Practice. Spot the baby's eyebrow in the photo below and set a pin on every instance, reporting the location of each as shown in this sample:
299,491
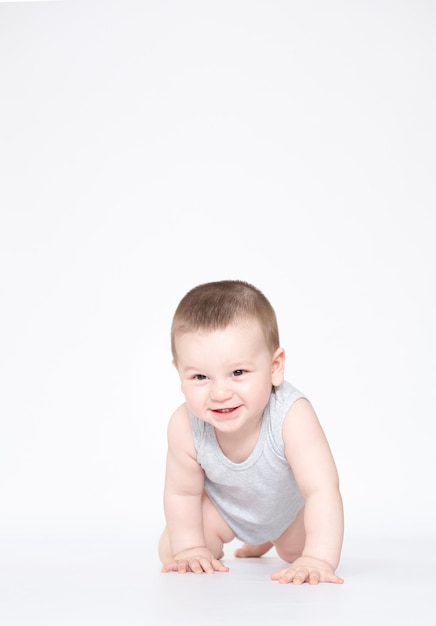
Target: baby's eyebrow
189,368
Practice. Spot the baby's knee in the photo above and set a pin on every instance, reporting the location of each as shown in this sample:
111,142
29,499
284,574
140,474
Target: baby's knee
290,544
287,554
216,531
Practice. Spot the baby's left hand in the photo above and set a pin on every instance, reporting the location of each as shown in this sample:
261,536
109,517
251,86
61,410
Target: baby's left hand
307,569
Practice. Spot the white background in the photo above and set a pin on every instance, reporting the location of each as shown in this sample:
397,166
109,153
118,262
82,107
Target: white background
150,146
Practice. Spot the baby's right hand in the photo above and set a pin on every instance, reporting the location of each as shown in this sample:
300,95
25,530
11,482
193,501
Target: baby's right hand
196,560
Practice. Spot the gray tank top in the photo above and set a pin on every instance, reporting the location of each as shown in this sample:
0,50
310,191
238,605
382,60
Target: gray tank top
259,497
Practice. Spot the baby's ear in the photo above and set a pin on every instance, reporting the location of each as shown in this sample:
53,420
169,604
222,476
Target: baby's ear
278,367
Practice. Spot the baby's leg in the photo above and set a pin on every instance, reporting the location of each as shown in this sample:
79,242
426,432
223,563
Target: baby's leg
248,550
216,533
216,530
290,544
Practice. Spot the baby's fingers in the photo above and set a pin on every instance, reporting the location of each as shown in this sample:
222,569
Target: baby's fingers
200,565
332,578
170,567
218,566
197,565
291,574
181,566
303,574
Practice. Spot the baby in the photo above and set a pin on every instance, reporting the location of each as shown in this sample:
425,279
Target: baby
247,457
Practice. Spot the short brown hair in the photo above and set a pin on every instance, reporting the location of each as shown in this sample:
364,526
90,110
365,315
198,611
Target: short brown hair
216,305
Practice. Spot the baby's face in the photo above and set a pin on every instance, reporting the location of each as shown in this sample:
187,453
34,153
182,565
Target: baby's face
226,375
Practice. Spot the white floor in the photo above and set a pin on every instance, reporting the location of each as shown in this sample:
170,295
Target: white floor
116,581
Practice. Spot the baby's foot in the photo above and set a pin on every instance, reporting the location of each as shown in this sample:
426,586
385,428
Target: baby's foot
248,550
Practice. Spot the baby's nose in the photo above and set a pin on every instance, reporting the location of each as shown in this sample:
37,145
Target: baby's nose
220,390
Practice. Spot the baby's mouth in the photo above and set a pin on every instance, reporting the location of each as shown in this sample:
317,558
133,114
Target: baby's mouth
225,411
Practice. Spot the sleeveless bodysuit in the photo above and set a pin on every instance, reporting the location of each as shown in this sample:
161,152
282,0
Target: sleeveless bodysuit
258,498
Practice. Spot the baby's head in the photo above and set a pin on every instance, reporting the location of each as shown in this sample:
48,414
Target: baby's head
216,305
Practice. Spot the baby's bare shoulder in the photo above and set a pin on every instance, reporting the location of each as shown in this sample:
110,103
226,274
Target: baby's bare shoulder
180,432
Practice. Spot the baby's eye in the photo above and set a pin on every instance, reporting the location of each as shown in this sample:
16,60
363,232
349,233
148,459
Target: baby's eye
200,377
238,372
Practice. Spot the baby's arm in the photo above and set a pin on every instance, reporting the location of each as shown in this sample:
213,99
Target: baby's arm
184,485
311,460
